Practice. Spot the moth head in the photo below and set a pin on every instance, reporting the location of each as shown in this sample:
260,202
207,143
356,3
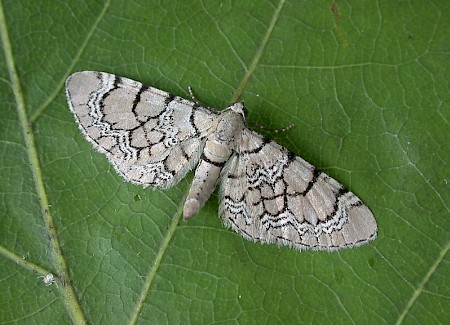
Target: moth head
238,108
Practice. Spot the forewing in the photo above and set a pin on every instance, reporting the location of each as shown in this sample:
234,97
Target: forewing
271,195
150,136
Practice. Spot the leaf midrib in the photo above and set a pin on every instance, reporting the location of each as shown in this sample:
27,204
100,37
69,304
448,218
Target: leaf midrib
72,305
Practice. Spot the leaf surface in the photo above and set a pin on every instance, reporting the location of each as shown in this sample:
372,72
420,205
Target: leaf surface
365,85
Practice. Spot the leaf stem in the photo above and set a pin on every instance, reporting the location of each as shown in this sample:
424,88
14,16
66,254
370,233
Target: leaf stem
258,53
70,298
422,284
154,268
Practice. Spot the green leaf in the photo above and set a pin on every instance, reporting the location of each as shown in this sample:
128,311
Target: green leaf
366,86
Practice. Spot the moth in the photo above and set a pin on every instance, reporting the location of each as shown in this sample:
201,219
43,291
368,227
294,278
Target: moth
267,193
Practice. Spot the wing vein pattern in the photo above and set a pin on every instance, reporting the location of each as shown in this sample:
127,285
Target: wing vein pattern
267,193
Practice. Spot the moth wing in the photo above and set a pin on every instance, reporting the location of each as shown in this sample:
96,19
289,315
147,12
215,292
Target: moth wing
270,195
150,136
